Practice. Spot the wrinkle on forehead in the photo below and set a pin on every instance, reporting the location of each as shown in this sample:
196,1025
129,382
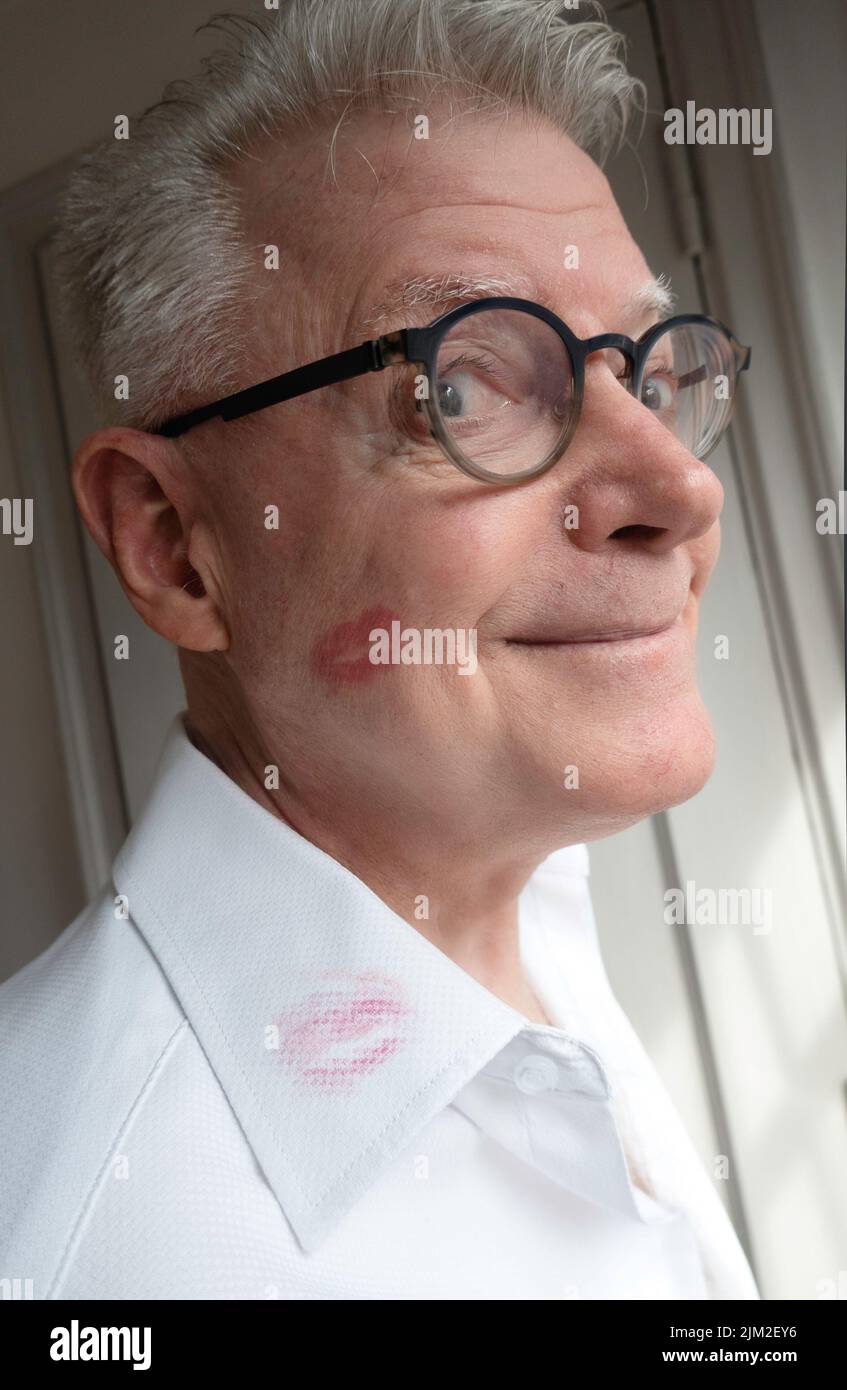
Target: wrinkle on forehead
466,165
491,198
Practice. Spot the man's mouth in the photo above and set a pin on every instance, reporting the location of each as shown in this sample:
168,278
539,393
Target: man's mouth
628,634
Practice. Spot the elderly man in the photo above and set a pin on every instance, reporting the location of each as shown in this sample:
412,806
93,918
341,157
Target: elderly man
404,453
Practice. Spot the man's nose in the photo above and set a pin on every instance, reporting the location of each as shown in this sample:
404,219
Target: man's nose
635,479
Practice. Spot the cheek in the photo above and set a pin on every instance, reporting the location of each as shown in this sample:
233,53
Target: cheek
704,555
341,656
459,559
256,598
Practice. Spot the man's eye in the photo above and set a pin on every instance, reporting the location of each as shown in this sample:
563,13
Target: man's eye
466,387
658,391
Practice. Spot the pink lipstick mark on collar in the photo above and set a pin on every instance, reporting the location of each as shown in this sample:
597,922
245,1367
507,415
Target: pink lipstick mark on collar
342,655
339,1034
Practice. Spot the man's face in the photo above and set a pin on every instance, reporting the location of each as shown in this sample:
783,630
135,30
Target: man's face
376,526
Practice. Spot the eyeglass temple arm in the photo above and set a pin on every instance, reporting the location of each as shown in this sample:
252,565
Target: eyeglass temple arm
742,362
372,356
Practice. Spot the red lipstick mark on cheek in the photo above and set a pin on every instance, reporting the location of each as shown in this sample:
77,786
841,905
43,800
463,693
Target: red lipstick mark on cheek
342,655
336,1035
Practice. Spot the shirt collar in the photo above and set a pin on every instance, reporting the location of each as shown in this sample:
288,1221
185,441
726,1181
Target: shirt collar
336,1029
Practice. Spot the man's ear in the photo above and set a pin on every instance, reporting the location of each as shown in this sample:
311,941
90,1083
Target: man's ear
126,484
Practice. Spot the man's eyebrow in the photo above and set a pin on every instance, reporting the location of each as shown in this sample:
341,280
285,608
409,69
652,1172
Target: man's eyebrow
653,299
443,292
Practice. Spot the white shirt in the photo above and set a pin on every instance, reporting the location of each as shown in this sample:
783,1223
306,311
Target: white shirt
263,1083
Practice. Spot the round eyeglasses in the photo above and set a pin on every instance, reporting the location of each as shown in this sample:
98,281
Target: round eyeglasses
504,379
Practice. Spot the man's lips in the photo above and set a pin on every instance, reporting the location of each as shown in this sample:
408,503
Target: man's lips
342,655
344,1032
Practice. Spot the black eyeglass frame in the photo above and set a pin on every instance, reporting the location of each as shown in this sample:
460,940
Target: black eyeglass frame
419,346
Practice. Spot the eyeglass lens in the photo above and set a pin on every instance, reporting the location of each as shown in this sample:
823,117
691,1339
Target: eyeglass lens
504,390
689,381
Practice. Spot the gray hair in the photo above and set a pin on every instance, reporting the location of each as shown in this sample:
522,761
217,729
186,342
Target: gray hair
154,272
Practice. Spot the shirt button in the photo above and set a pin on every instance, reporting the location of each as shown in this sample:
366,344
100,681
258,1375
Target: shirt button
536,1073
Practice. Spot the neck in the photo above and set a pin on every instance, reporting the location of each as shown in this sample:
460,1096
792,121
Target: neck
463,903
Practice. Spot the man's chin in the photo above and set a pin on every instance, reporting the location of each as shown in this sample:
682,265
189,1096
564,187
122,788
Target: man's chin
642,770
